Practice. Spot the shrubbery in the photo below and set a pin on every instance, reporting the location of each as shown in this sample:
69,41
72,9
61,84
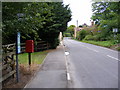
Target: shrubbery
82,34
89,37
98,37
55,43
118,38
67,35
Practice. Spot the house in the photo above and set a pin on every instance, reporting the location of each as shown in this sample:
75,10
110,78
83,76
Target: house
81,27
76,29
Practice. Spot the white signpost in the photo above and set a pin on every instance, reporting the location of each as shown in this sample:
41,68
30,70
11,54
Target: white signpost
115,29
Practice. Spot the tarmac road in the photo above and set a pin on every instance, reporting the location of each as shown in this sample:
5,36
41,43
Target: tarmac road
91,66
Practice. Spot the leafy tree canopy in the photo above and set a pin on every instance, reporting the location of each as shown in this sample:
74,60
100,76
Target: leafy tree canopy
35,20
70,29
106,14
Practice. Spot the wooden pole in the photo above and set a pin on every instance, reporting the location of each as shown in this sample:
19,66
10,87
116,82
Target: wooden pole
29,57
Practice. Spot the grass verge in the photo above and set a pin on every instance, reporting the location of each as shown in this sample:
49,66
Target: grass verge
108,44
26,72
36,57
101,43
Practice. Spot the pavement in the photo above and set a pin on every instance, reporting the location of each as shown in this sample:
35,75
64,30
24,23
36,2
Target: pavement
53,71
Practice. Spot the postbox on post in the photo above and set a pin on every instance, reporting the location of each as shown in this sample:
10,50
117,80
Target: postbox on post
29,46
29,49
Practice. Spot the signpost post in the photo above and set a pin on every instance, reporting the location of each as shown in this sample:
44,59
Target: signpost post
18,50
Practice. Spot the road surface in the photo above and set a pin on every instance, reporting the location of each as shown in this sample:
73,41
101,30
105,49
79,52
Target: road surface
91,66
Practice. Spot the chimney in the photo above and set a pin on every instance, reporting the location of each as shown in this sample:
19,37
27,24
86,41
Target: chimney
92,23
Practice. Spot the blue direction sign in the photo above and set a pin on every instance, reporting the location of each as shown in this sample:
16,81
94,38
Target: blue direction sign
18,50
18,42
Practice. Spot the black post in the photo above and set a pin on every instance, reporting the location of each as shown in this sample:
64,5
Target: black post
29,57
17,69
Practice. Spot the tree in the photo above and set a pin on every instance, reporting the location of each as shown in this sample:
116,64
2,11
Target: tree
70,29
40,20
106,16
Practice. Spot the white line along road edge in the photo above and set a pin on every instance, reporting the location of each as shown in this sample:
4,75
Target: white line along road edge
113,57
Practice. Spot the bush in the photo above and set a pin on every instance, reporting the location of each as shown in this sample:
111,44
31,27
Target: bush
82,34
118,48
54,43
97,37
67,34
118,38
89,37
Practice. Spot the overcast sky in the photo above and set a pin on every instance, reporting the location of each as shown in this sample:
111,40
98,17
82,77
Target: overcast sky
81,11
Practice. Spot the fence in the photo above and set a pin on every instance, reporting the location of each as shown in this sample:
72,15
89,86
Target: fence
42,45
38,46
8,63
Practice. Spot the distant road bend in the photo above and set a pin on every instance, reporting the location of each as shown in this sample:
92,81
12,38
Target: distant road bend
91,66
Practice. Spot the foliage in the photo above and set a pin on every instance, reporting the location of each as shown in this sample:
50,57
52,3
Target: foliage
70,29
67,34
118,38
88,37
118,48
101,43
39,20
98,37
54,43
82,34
106,16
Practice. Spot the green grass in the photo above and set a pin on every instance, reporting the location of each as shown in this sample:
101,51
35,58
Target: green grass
100,43
107,44
118,48
36,57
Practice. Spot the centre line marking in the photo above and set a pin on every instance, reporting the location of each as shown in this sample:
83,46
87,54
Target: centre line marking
113,57
92,49
66,53
68,76
95,50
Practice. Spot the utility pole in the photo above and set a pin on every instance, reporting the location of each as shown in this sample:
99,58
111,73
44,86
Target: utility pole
75,30
77,23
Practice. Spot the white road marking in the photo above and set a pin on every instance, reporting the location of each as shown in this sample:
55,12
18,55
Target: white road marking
113,57
68,76
67,53
92,49
95,50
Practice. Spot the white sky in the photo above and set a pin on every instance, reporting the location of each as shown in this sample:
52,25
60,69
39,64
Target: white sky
81,11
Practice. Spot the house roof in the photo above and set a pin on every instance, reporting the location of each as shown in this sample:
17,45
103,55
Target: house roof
78,28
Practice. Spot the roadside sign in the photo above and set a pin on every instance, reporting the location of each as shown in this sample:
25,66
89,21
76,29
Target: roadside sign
115,30
17,52
18,42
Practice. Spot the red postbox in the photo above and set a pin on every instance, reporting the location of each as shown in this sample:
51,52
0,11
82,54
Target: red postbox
29,46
